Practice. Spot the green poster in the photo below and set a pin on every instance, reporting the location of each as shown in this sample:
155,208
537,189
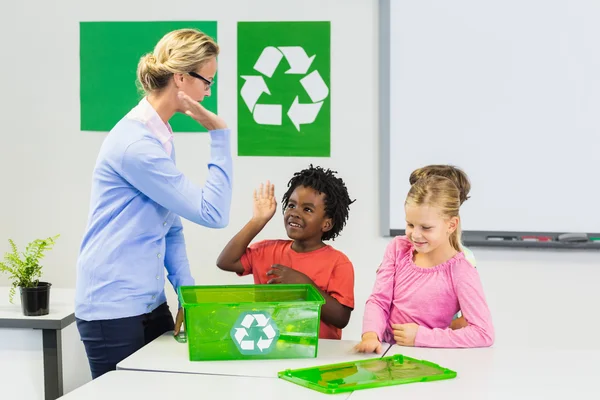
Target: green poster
284,106
109,54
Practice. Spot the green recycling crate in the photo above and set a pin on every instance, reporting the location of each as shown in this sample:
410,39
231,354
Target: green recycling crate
251,322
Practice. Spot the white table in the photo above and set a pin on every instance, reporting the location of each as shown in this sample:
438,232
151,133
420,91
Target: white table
161,386
165,354
61,315
500,373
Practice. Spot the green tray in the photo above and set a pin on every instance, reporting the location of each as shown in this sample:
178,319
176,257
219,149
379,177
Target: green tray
366,374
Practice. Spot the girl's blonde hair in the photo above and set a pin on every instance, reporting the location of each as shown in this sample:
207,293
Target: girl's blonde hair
178,52
444,187
456,175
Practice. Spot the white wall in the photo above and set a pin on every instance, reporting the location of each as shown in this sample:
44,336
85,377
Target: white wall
537,298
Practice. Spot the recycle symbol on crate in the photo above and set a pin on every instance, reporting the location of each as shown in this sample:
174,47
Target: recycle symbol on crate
255,85
254,333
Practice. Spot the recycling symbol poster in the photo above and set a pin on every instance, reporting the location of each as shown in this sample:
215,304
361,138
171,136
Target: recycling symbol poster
284,91
255,333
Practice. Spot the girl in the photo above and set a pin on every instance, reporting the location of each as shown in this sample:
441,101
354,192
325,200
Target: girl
461,181
424,279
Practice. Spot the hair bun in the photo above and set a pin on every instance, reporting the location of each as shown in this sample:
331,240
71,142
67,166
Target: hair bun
150,60
456,175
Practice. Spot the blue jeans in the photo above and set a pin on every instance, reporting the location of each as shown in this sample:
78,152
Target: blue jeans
108,342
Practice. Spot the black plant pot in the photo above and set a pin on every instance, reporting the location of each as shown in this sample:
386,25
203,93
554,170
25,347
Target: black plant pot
35,300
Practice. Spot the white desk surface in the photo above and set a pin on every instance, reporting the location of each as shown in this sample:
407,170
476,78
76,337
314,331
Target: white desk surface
62,309
500,373
165,354
161,386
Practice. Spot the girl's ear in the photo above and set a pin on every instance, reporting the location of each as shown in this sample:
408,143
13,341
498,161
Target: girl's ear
453,225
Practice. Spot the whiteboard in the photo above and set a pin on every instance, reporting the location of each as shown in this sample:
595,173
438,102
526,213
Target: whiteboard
509,91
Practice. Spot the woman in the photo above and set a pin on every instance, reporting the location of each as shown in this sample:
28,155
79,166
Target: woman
134,229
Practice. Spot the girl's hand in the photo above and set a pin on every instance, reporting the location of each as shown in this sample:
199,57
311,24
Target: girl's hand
404,334
264,203
369,344
207,119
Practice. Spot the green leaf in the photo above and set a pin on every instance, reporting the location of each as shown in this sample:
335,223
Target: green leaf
24,269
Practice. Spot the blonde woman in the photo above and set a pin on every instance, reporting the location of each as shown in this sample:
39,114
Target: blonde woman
134,230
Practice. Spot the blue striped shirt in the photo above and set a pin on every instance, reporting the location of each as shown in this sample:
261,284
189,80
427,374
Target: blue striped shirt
134,228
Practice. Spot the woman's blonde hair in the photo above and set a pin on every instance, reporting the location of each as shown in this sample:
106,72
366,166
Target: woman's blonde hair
178,52
444,187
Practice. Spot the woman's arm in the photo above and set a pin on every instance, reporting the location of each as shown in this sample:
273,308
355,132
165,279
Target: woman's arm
147,167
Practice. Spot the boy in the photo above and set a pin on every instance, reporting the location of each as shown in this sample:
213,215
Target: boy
316,208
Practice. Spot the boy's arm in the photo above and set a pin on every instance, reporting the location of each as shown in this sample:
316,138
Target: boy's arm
340,295
333,311
230,258
264,209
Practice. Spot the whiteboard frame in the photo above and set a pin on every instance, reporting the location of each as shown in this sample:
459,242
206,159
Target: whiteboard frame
469,238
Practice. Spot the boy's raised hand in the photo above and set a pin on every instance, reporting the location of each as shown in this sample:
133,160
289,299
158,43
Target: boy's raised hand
265,204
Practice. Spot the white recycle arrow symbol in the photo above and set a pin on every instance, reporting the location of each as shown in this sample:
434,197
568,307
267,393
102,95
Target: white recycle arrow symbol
269,331
271,56
315,86
247,345
264,343
297,58
255,321
252,89
240,334
248,320
261,320
303,113
268,61
317,91
254,86
265,114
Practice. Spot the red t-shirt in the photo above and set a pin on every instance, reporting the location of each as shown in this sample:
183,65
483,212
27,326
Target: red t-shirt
328,268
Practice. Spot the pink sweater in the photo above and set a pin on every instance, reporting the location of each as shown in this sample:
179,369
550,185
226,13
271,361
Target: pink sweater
429,297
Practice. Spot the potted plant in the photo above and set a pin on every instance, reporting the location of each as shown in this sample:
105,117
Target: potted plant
24,270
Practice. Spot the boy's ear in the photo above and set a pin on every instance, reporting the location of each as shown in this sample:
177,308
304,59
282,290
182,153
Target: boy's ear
327,225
